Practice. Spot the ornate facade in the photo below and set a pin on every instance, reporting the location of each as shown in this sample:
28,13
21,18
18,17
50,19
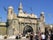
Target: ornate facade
23,22
17,23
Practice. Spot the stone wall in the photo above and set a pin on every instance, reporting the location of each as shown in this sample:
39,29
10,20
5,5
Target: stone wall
3,30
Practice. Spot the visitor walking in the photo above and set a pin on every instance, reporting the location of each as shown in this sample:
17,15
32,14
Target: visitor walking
36,37
51,38
43,36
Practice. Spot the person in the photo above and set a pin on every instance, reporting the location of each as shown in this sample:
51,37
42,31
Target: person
43,36
31,36
16,37
36,37
51,38
46,36
5,37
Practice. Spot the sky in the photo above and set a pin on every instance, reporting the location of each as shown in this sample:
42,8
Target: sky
37,6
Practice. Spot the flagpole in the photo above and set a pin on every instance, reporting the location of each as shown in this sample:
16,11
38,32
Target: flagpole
0,19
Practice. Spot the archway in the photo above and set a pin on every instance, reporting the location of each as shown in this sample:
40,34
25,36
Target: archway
27,29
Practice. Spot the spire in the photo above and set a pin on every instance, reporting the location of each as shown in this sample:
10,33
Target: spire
20,7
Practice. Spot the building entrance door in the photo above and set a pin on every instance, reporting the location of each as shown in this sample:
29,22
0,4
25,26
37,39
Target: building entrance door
27,29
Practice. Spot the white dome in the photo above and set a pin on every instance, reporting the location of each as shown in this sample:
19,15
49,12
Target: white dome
42,12
10,7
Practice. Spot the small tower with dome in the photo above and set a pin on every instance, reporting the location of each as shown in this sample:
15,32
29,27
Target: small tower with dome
10,13
42,19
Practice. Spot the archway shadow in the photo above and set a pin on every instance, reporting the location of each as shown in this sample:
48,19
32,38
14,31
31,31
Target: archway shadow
27,29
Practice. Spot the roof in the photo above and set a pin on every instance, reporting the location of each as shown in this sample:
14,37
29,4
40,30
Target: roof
28,15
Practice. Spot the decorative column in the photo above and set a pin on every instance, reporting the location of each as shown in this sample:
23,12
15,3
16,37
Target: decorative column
10,30
42,27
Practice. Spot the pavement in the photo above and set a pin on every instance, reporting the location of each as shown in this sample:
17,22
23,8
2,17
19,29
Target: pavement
14,39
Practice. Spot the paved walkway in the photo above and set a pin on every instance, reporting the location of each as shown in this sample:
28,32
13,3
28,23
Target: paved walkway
14,39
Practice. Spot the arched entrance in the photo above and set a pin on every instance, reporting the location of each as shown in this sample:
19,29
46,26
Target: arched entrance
27,29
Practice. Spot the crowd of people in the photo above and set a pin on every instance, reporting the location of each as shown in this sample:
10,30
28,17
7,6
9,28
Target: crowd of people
41,36
32,36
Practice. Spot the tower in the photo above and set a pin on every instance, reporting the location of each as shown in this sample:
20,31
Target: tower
9,20
42,22
10,13
20,9
42,19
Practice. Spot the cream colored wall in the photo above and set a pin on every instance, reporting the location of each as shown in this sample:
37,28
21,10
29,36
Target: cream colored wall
24,20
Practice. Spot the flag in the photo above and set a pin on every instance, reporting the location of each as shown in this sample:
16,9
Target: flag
5,9
31,9
0,18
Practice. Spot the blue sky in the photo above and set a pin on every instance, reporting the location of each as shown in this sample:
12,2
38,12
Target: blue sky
37,6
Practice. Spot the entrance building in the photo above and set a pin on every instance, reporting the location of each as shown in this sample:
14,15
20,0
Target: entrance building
23,22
